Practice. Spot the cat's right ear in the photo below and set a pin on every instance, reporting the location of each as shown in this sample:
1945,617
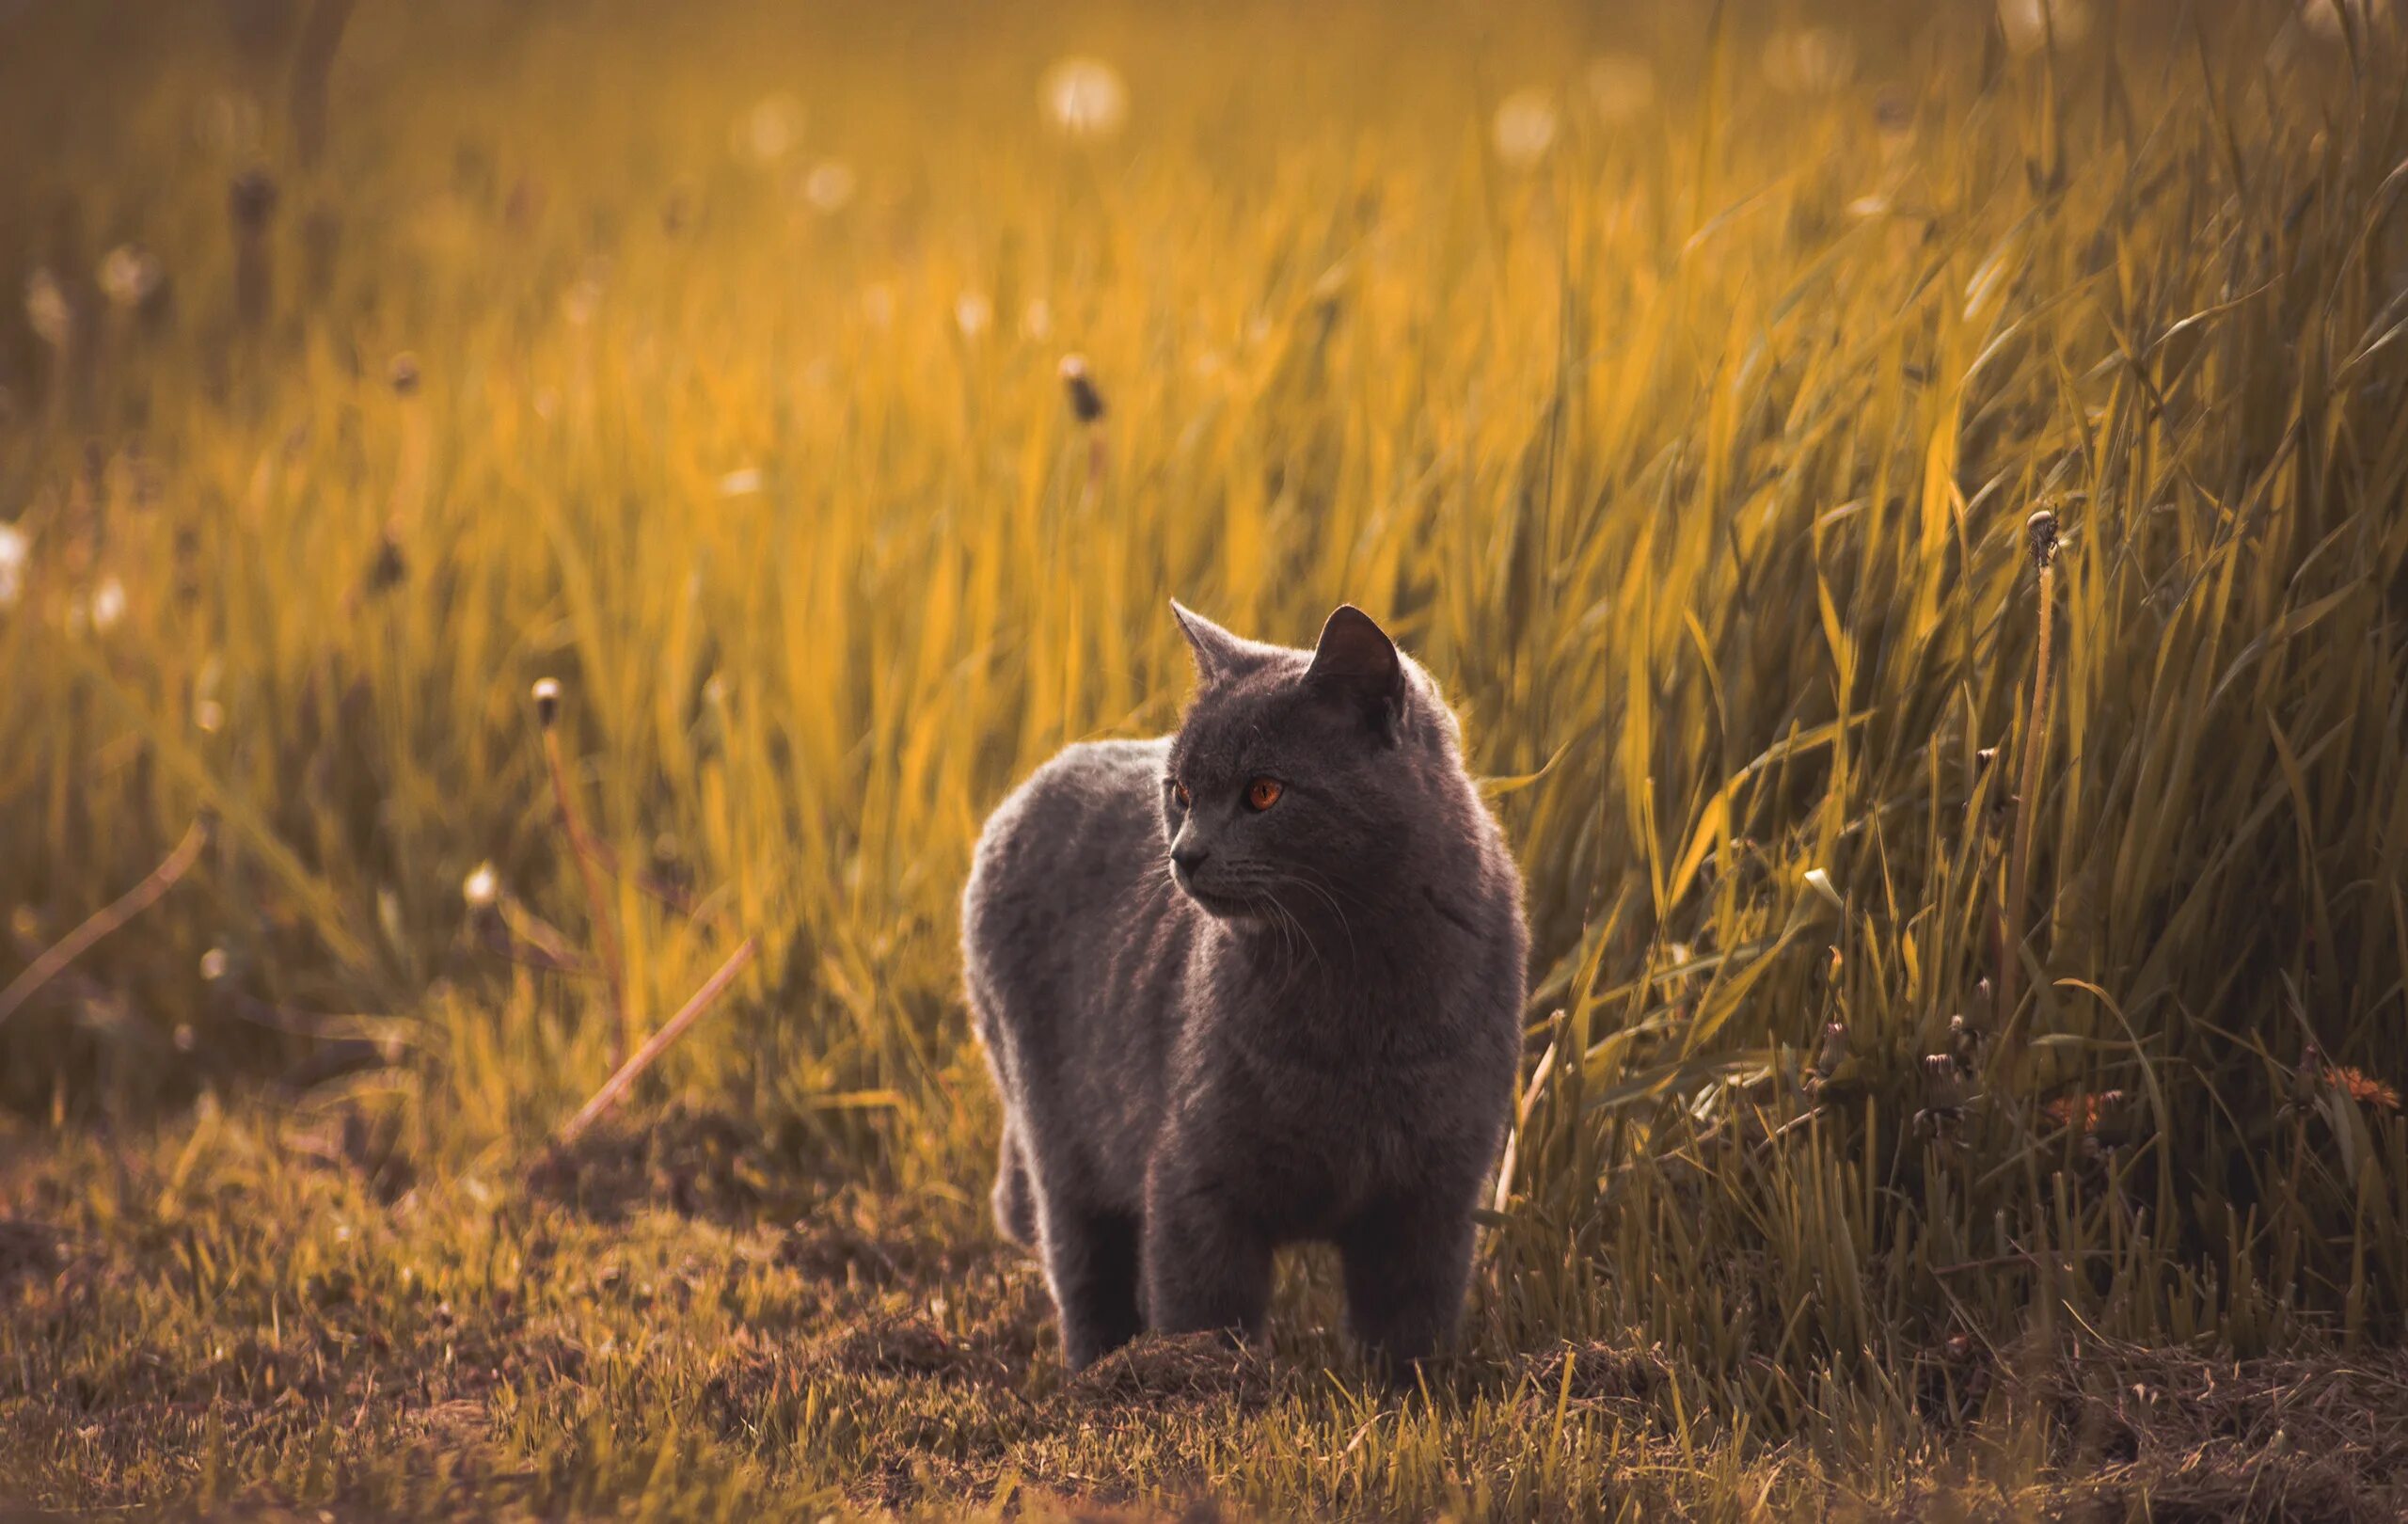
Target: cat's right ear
1218,653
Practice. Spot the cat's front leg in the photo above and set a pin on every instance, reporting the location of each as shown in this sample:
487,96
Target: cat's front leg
1407,1261
1091,1264
1206,1260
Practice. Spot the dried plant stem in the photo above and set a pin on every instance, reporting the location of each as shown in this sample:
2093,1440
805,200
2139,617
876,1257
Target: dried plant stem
2289,1240
312,63
1087,407
106,919
588,873
632,1068
1098,458
2042,530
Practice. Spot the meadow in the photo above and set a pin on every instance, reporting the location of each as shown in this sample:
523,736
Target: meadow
1906,500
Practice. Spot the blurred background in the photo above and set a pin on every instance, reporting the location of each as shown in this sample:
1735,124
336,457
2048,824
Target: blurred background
1678,382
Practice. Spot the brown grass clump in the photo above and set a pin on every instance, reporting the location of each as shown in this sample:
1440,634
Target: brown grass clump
2191,1438
1599,1372
1159,1370
698,1164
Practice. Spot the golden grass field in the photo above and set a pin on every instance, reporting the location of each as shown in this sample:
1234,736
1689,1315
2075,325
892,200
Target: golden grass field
1969,1009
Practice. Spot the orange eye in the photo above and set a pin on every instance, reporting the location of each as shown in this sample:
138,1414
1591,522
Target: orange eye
1179,792
1262,793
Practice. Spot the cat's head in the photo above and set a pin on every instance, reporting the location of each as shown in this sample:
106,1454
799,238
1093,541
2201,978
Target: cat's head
1302,783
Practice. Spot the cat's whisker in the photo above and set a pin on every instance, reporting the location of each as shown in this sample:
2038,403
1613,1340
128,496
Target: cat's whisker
1327,896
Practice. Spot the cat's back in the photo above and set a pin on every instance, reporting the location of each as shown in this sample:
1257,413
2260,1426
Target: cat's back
1064,856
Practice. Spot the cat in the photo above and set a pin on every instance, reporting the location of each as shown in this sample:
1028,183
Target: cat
1254,983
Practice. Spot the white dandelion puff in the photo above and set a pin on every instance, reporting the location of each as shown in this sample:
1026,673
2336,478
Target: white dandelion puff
741,483
47,309
1620,86
583,301
1085,98
482,887
108,605
830,185
15,550
973,313
130,275
769,131
1524,128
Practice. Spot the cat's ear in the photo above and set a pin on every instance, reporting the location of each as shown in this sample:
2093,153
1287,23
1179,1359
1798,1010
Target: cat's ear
1355,661
1218,653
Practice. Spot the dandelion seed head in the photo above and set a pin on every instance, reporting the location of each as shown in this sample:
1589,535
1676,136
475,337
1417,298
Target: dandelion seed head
212,964
768,131
15,550
741,483
830,185
1086,402
1620,86
1037,320
1085,98
108,605
548,699
251,198
973,313
581,301
47,309
482,887
209,716
130,275
2040,530
1524,128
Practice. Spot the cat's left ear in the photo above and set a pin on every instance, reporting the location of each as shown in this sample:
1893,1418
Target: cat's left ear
1356,662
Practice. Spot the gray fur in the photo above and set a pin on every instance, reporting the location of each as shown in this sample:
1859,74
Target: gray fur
1218,1030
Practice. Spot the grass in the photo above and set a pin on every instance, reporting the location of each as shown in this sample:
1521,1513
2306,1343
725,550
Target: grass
1896,1137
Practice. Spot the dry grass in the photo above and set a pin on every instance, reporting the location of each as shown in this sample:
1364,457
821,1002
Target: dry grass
1679,386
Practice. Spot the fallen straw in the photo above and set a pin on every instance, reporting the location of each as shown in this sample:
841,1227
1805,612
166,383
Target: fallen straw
106,919
629,1071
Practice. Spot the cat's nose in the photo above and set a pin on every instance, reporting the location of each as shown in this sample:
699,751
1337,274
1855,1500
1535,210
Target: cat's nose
1186,857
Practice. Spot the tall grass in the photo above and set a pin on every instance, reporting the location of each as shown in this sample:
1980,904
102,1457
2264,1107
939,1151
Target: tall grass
1694,457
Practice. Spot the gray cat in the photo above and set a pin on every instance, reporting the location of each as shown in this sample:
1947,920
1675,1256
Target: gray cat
1257,982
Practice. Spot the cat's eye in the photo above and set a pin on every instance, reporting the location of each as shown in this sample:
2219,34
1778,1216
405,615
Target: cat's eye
1179,792
1262,793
